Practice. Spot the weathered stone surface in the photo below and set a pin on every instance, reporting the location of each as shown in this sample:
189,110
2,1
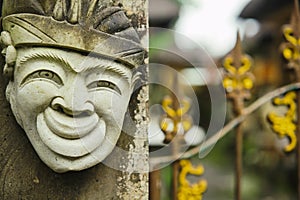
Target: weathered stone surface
22,173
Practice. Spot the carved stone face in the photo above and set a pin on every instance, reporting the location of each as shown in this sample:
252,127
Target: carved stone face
71,106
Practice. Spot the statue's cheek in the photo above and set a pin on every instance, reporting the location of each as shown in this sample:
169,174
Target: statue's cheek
110,104
35,97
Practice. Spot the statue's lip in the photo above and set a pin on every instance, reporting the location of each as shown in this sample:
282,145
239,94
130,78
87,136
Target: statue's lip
71,147
69,127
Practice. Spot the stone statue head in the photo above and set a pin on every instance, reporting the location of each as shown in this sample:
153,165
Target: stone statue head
72,68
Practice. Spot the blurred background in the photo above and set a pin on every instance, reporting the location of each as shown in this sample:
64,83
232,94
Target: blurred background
203,32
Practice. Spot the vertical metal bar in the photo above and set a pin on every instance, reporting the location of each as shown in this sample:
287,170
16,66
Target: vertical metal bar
295,64
155,185
176,142
238,104
297,70
177,114
298,137
175,173
238,162
292,30
237,66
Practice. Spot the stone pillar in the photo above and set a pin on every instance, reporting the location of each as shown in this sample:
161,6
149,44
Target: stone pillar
25,172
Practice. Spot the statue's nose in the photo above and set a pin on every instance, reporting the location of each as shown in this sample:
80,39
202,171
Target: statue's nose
74,100
60,105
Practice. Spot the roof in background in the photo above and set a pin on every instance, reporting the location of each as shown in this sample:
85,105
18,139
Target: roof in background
162,12
263,9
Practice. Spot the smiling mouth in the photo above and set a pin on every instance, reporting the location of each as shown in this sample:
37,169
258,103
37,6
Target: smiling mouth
70,127
70,136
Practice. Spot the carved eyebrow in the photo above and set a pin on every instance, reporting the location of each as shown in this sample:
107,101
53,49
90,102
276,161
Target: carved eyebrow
59,59
106,66
110,69
45,55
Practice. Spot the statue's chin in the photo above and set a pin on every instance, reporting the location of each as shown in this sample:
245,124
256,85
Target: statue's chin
68,136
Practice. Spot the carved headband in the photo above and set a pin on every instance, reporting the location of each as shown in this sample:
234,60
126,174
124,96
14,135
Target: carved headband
102,31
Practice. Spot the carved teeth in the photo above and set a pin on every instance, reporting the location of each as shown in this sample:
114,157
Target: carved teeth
68,127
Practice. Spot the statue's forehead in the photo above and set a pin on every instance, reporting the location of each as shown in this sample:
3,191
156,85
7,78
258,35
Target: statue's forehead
73,60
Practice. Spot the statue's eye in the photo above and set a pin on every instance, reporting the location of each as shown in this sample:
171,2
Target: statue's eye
44,74
103,84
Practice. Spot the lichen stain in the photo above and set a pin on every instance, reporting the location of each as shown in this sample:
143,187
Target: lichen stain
133,184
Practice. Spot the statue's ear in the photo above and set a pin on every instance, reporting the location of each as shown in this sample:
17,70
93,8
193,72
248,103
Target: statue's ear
136,77
9,52
11,98
139,77
9,91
